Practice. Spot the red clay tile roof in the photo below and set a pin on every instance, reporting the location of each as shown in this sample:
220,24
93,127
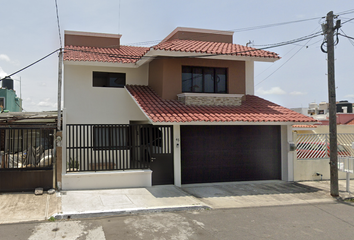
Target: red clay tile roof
351,122
253,109
124,54
130,54
213,48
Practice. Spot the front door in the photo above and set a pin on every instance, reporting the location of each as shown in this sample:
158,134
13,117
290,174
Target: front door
157,145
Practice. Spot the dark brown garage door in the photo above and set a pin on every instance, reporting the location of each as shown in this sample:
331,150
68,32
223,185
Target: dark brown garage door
230,153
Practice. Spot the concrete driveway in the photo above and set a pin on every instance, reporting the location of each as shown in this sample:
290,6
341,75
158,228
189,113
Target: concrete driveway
260,193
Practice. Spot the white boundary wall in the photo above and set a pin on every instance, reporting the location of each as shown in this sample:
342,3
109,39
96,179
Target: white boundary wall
106,179
307,169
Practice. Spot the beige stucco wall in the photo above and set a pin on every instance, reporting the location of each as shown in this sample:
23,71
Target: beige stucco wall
165,74
199,36
340,129
100,105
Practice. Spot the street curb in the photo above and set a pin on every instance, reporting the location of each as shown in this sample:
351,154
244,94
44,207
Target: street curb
66,216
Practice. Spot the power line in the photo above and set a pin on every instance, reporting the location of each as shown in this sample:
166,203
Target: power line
347,21
273,25
56,7
284,63
346,12
249,28
294,40
296,45
349,38
30,64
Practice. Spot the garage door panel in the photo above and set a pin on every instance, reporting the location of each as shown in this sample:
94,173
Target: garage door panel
230,153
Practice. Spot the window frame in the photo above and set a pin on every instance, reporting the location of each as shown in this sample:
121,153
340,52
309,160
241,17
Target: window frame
104,79
214,69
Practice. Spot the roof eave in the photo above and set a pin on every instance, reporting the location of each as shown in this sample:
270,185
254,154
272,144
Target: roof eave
225,123
100,64
152,53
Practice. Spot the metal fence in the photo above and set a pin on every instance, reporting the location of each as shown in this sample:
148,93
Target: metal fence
93,147
316,146
26,148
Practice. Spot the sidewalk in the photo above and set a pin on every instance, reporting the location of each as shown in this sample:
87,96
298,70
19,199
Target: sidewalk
96,203
21,207
24,207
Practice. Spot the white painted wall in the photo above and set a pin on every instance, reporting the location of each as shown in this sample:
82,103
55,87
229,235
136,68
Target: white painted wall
305,170
85,104
106,180
100,105
249,77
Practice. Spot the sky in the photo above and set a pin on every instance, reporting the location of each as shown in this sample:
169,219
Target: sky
29,31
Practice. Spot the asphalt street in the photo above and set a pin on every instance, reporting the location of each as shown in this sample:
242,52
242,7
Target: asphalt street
306,221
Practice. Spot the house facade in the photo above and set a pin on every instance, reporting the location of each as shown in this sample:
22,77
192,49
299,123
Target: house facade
182,111
9,102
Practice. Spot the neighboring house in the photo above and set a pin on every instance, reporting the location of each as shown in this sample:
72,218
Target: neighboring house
180,112
320,112
27,150
9,102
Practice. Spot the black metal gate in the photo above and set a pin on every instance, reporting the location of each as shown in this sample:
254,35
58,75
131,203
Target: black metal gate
26,158
156,144
107,147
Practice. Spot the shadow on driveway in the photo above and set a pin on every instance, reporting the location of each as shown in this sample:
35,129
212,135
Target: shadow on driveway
262,193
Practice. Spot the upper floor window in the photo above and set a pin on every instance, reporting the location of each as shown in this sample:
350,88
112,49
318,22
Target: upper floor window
204,79
108,79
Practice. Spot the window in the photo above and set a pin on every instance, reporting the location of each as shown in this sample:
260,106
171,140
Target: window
204,79
110,137
2,104
106,79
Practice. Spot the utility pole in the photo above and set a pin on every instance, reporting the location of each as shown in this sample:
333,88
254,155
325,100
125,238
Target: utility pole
60,72
332,106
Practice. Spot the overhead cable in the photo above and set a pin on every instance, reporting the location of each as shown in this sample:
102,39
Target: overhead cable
284,63
31,64
56,7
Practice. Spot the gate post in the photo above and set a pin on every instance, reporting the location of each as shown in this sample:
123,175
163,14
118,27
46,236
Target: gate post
59,166
177,155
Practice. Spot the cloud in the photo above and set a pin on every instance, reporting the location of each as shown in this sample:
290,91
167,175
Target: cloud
5,58
296,93
349,96
272,91
2,73
46,103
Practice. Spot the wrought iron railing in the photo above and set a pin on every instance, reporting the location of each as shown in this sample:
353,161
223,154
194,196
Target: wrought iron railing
26,148
316,146
106,147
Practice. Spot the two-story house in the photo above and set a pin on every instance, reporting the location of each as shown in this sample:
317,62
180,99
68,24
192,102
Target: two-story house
182,111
